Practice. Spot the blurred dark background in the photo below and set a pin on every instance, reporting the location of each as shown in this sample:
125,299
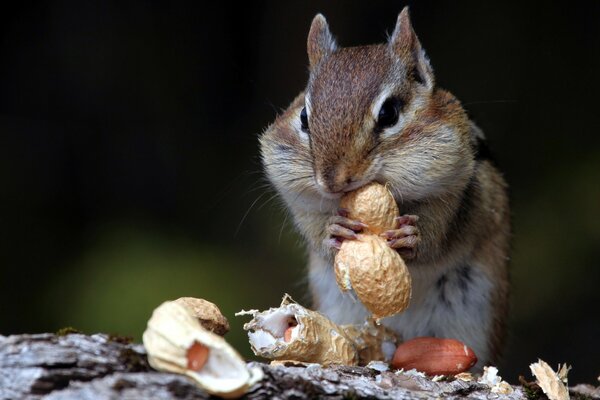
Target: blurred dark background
129,166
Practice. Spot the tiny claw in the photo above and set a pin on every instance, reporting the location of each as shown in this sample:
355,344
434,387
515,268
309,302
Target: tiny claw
354,236
387,235
407,242
406,220
344,222
402,231
339,231
345,213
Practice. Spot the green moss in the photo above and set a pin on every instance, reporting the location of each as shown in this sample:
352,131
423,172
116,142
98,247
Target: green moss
532,393
67,330
112,337
531,389
350,396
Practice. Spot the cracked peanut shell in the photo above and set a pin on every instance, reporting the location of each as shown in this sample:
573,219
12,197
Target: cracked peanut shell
176,342
207,313
292,332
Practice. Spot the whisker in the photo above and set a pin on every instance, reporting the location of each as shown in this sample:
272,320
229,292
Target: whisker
285,218
298,162
264,184
397,190
300,193
247,212
298,178
266,202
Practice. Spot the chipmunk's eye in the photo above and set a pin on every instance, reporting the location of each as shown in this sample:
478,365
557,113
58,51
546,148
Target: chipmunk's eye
389,112
304,120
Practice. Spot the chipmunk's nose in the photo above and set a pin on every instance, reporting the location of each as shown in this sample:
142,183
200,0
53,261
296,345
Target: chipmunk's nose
334,180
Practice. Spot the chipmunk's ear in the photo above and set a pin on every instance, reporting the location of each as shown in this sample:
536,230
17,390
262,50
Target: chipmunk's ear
320,42
405,44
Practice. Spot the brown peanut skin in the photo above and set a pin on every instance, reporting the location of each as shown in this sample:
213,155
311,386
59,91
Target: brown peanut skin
197,356
434,356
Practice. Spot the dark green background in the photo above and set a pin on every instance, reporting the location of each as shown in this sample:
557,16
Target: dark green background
129,166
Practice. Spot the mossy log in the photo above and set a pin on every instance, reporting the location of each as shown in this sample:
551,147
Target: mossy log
92,367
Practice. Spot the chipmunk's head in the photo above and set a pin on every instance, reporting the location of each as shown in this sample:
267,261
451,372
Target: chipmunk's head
356,98
361,101
369,113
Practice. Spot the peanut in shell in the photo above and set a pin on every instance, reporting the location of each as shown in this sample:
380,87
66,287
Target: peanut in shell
376,273
372,204
367,265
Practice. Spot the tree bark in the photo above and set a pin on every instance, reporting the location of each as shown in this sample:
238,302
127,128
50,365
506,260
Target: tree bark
97,367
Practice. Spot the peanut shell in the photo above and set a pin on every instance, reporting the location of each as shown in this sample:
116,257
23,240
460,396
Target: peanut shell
207,313
377,274
176,342
310,338
372,204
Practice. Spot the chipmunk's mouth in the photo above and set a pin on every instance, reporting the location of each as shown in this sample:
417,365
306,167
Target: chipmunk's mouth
355,185
331,195
348,188
335,182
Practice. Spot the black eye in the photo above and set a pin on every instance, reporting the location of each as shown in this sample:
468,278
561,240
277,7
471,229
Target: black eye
389,112
304,120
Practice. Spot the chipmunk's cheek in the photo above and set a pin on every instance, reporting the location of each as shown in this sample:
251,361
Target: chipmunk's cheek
412,132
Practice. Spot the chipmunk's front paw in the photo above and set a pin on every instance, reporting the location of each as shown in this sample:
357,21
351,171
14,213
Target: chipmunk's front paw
405,238
340,228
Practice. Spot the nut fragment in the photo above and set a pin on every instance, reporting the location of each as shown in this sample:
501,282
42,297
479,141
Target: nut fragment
434,356
207,313
176,342
491,378
287,335
549,381
197,355
374,342
377,274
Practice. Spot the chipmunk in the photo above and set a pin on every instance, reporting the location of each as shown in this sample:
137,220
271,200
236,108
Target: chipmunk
374,113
